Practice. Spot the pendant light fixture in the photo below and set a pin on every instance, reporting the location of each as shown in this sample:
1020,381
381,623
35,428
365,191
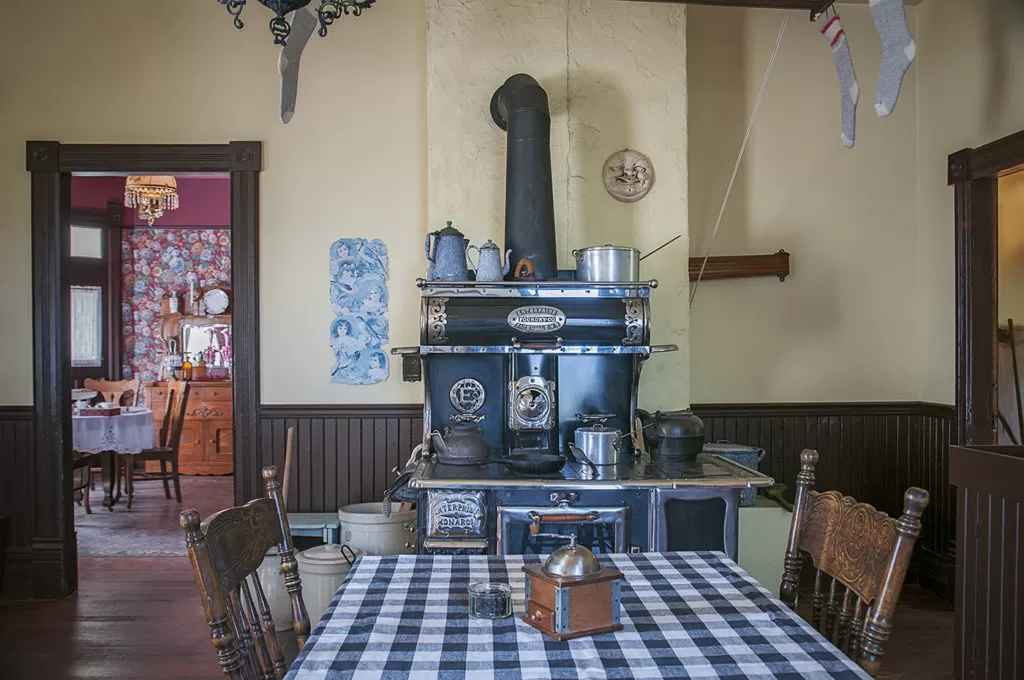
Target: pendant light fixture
280,28
151,195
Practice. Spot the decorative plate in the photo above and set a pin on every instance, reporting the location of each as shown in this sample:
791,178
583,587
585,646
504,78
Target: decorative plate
215,301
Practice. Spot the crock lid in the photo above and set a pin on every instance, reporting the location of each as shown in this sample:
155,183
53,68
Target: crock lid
328,554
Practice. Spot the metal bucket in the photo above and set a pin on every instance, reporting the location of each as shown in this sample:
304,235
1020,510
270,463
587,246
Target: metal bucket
607,263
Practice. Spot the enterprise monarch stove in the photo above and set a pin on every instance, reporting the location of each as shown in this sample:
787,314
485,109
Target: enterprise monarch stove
531,361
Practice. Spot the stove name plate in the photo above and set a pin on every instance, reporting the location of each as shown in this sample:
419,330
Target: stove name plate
456,514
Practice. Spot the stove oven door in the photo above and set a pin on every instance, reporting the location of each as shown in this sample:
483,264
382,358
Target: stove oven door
695,518
540,530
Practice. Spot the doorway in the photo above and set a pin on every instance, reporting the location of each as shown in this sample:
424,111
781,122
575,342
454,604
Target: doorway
52,164
982,178
150,303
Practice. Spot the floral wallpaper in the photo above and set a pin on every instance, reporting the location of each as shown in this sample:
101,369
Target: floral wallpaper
154,263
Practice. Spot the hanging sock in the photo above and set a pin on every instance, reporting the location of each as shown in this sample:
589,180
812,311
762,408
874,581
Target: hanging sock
303,22
898,52
850,89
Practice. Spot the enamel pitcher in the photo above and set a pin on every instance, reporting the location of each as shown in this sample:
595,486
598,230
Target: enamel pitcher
488,266
447,255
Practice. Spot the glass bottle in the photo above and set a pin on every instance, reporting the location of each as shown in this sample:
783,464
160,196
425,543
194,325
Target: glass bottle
186,369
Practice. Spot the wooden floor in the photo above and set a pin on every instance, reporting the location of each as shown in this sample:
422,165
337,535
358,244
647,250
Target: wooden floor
139,618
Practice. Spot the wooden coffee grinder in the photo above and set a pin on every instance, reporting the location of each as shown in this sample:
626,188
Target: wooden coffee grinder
572,596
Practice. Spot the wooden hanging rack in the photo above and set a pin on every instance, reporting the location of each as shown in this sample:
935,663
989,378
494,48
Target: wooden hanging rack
741,266
815,7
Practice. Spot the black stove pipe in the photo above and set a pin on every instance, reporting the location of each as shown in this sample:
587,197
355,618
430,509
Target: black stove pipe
520,107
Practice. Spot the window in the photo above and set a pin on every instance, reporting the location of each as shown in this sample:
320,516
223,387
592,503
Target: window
87,242
86,325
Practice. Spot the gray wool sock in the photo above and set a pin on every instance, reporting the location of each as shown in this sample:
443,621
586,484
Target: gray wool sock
849,88
898,52
303,22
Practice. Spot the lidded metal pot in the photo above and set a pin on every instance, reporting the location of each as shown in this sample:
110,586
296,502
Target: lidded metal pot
673,436
599,443
607,263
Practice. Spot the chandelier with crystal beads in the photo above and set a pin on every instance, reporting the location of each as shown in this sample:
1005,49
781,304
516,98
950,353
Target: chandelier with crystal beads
152,195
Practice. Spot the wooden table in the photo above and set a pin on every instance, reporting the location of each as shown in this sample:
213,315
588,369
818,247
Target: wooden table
684,615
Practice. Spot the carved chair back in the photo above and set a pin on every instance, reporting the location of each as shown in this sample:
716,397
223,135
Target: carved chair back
174,414
226,550
115,390
860,555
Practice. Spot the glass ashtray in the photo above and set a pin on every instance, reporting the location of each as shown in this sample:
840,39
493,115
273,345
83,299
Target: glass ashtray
490,600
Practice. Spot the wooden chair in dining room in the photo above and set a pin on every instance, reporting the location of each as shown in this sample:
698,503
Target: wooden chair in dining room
166,451
120,392
860,555
226,550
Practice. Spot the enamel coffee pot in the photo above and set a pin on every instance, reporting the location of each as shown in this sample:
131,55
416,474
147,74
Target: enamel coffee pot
447,255
489,264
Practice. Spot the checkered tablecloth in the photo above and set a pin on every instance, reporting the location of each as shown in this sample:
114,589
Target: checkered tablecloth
686,615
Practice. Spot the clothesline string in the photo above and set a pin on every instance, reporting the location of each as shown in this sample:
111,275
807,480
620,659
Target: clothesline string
739,156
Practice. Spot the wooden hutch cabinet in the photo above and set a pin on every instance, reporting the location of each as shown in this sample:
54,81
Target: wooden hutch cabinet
206,437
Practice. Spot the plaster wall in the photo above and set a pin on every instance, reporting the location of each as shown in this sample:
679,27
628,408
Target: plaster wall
846,325
350,163
615,76
971,80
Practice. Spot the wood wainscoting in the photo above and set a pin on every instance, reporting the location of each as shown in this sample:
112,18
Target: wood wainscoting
343,453
17,446
871,451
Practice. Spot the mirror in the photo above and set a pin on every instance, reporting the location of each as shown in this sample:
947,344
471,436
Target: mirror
211,340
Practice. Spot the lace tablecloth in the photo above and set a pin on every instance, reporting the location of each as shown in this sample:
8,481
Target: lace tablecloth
131,432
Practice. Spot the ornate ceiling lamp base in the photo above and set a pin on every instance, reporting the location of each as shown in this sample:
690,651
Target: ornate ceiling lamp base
280,28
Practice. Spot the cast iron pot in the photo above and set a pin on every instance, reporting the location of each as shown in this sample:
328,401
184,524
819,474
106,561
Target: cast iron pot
672,436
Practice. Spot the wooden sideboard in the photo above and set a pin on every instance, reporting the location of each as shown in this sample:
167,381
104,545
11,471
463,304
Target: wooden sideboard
207,438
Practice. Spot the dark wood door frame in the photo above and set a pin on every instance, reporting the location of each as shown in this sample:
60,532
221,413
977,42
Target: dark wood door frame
975,175
54,550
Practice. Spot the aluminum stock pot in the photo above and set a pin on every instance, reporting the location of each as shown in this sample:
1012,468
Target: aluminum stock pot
607,263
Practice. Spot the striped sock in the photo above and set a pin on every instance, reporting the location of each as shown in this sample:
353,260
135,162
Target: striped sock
850,89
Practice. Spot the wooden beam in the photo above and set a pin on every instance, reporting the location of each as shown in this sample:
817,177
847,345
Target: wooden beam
741,266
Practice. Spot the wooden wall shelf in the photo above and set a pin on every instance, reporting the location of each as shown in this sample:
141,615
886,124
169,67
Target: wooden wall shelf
815,7
741,266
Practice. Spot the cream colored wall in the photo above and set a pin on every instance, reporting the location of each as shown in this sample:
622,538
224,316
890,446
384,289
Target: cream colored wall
615,76
846,325
971,85
351,163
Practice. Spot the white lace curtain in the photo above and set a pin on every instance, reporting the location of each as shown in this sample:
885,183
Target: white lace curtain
86,326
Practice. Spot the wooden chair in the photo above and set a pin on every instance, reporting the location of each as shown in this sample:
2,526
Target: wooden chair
81,478
121,392
861,556
226,550
166,451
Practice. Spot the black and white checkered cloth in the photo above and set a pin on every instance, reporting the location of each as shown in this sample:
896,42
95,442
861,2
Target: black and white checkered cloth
686,615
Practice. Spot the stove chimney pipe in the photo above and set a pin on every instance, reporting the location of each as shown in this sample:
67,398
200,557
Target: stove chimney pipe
520,107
